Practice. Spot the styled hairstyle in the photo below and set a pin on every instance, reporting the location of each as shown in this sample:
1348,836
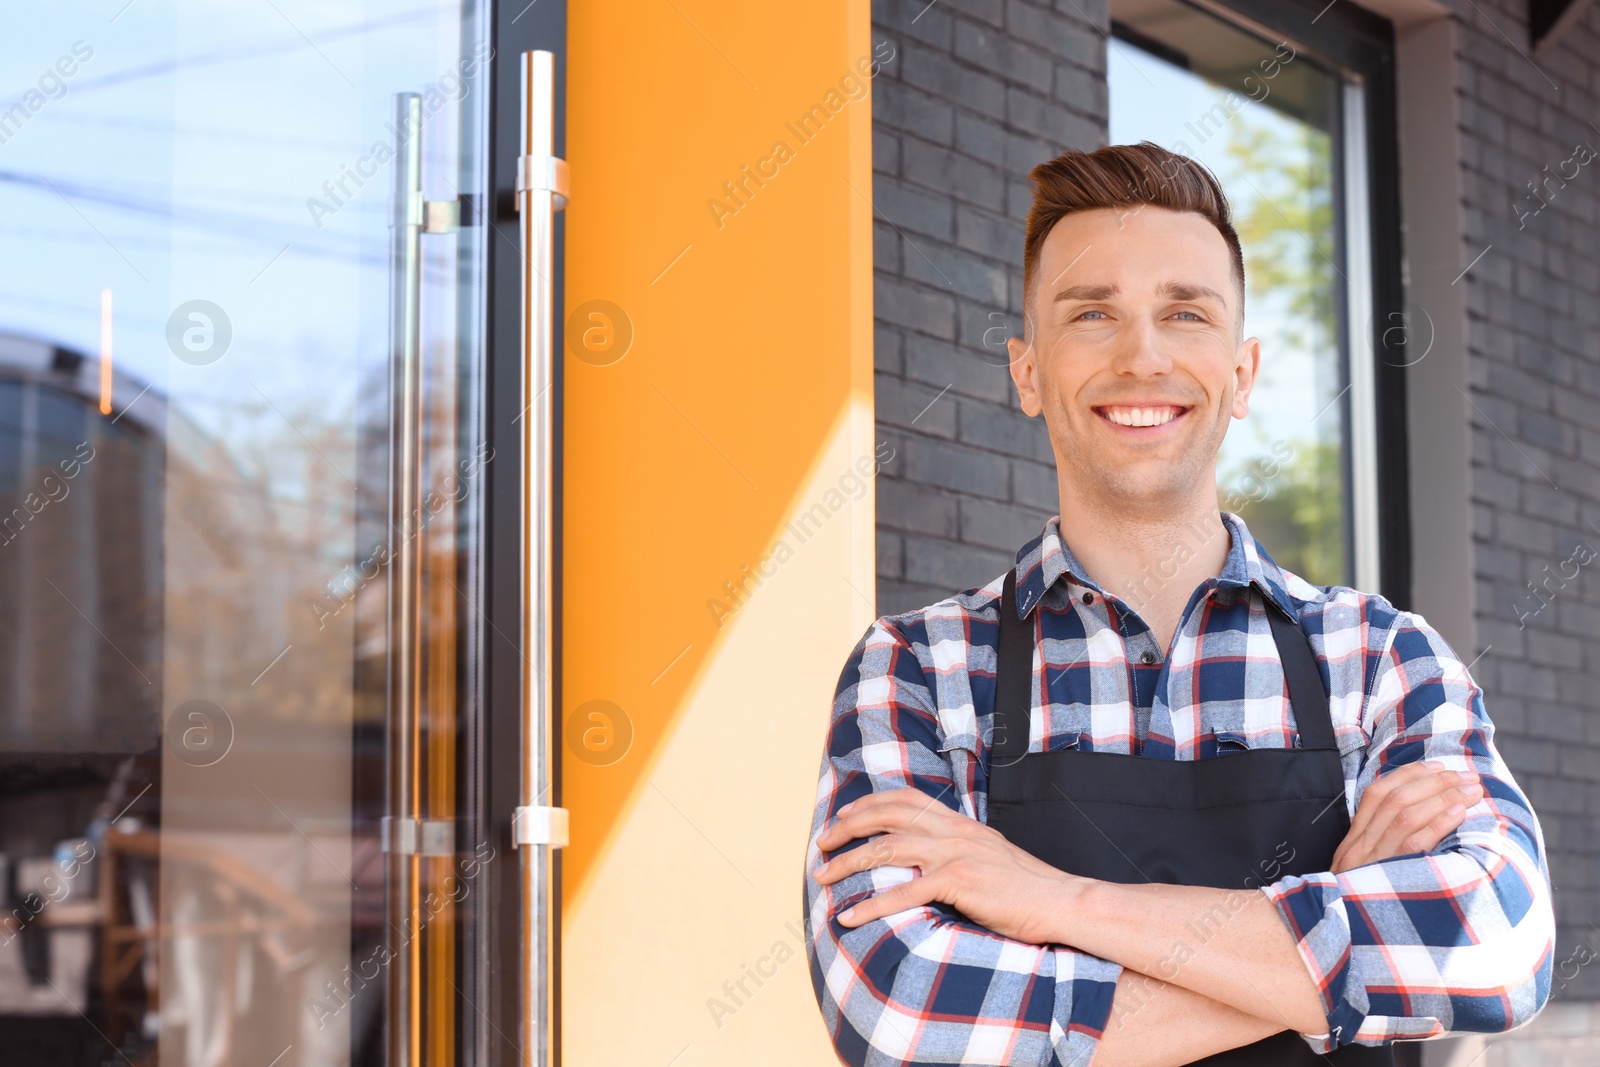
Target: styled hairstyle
1121,176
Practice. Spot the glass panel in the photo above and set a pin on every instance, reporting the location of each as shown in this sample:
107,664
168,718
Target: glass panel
199,543
1264,119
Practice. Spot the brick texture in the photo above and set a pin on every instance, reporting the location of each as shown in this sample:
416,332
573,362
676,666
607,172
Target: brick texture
1533,304
979,92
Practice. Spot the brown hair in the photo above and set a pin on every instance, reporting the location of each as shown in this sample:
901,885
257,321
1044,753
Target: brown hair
1119,176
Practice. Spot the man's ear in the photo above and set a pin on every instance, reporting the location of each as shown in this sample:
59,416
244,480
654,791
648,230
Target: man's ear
1247,364
1025,373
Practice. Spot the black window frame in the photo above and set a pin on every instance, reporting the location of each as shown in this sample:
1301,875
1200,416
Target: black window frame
1360,43
492,1024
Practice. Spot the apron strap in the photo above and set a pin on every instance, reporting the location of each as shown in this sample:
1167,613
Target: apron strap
1306,695
1013,697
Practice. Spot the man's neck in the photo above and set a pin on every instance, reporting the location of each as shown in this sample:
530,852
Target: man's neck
1152,561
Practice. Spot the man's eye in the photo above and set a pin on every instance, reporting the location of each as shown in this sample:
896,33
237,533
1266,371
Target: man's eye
1193,315
1091,311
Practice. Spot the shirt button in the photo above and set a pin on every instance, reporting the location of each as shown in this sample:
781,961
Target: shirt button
1088,597
1147,657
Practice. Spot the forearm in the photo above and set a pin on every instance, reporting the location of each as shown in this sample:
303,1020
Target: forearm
1155,1023
1476,959
1227,945
941,990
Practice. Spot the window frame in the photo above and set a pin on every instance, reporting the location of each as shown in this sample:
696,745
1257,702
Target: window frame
1359,47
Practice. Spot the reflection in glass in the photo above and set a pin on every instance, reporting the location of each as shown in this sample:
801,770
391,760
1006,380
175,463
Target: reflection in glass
195,525
1264,119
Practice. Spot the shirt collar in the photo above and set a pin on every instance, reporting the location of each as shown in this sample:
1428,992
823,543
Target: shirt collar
1045,559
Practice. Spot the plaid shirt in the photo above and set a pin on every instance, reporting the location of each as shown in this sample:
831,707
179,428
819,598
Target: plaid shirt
1459,939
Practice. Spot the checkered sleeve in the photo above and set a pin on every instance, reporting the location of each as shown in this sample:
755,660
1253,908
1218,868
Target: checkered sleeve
1460,939
926,985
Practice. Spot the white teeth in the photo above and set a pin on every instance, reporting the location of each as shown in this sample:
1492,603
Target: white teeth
1141,416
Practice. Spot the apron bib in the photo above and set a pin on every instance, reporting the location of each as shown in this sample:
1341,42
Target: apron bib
1235,821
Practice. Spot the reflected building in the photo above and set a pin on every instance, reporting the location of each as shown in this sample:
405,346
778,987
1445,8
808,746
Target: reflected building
149,893
81,570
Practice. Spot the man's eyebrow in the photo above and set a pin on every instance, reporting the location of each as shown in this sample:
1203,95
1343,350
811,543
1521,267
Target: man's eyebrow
1173,290
1190,291
1086,292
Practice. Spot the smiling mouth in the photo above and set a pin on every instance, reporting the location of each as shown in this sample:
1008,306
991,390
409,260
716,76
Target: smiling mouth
1140,417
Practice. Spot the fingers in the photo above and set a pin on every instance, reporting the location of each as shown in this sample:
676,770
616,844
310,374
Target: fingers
1418,806
1418,829
890,850
912,894
1393,782
1403,791
1423,786
893,809
1442,825
1368,824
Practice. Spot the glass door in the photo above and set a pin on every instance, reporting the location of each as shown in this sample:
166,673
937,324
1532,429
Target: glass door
241,471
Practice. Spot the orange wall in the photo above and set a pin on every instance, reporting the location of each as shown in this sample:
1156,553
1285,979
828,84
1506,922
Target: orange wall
744,401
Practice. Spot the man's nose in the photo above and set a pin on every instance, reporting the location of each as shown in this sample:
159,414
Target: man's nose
1137,350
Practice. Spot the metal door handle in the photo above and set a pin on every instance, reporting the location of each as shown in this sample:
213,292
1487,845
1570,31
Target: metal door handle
410,833
405,564
537,827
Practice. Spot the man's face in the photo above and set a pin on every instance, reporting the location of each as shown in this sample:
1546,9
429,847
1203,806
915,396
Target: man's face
1136,361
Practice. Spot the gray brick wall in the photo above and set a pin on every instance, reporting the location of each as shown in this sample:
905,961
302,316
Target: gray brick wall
983,89
979,92
1533,304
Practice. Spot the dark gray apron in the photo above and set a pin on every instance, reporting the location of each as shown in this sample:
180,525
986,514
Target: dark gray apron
1228,821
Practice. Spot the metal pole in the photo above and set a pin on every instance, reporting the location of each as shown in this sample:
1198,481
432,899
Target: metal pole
537,827
405,579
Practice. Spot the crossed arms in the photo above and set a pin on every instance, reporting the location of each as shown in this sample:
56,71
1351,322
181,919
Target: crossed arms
1432,921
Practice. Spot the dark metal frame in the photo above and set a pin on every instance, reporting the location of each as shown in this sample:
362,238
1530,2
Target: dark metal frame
1550,18
516,27
1362,43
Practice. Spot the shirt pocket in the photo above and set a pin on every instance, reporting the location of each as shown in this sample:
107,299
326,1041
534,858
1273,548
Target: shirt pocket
1065,740
1069,739
1223,743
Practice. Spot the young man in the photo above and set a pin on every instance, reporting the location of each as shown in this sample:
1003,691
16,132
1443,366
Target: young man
1229,814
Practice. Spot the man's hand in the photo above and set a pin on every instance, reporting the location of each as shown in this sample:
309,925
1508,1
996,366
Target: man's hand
963,863
1405,811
